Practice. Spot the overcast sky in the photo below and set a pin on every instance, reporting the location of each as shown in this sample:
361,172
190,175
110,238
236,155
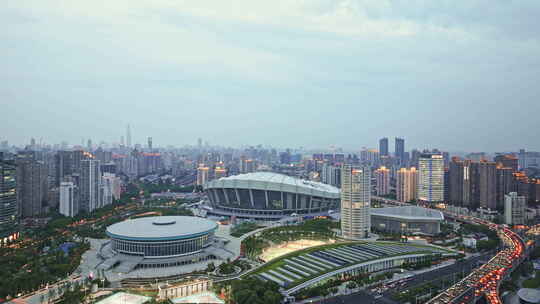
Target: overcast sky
457,75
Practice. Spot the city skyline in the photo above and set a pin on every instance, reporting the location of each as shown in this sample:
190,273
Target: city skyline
435,74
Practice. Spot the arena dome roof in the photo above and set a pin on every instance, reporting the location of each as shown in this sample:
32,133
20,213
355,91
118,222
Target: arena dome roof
161,228
275,182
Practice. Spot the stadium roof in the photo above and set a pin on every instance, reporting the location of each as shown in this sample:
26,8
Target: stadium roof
408,213
275,182
529,295
161,228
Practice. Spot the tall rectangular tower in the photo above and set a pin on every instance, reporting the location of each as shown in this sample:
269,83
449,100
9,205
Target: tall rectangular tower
431,177
383,180
407,184
68,199
383,146
400,150
32,187
355,201
90,185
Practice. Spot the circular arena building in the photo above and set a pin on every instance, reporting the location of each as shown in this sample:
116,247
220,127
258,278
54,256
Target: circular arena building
161,236
268,195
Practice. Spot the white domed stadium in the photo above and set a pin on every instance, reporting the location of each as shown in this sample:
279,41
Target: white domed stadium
268,195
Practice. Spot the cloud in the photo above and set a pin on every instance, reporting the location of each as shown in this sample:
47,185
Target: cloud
349,70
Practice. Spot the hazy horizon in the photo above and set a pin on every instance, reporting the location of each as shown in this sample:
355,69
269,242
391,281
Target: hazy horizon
311,74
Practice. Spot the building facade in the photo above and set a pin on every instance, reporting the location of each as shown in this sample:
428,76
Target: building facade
90,185
32,187
514,209
68,199
8,200
382,175
407,184
355,201
431,177
383,147
202,175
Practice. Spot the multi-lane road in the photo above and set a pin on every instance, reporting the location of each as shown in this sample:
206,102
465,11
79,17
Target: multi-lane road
486,279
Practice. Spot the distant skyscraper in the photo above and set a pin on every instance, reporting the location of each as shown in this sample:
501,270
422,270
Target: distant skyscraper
32,187
369,157
431,177
400,150
150,144
382,176
407,184
202,175
68,163
383,146
355,201
246,165
90,185
8,200
68,199
220,172
113,182
128,136
460,183
505,184
514,209
89,145
487,174
331,175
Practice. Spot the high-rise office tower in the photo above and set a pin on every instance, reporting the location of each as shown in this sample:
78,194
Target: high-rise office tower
32,187
460,182
407,184
150,144
8,200
369,157
68,163
383,146
89,145
431,177
355,201
90,185
247,165
505,184
128,136
382,176
487,174
106,191
202,175
400,150
68,199
514,209
331,175
113,182
220,172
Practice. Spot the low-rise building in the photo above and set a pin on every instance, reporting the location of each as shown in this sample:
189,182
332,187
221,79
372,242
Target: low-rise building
471,240
406,220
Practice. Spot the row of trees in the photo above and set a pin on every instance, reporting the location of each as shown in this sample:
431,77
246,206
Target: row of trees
330,287
30,268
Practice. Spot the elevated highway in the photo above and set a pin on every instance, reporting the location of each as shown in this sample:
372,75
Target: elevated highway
485,280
